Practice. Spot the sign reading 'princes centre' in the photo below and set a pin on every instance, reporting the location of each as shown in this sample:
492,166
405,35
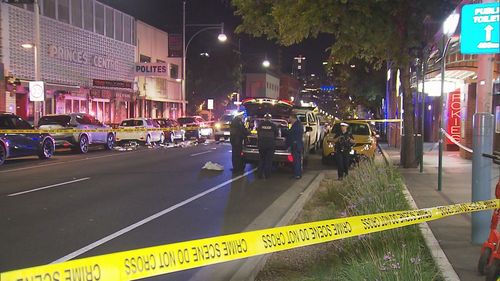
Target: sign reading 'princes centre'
480,30
151,69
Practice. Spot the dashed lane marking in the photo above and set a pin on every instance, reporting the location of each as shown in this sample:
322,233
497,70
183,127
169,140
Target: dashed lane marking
47,187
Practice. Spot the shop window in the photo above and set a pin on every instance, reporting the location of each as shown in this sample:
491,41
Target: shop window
88,15
63,10
49,8
84,106
144,59
76,106
76,13
497,119
174,71
99,18
127,29
118,26
68,108
110,26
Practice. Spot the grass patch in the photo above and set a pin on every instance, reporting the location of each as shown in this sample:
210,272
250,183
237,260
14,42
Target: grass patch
399,254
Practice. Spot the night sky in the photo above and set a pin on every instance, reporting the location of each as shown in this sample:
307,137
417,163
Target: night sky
167,15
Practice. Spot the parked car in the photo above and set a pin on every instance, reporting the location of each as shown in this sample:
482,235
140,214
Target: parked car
222,127
148,131
172,131
309,118
79,141
256,108
195,127
23,144
365,141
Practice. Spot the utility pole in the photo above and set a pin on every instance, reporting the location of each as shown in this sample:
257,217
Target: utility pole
36,49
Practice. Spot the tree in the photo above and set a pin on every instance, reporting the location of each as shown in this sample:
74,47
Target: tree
375,31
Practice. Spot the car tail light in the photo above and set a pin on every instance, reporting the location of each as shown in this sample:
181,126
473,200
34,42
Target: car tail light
290,158
242,154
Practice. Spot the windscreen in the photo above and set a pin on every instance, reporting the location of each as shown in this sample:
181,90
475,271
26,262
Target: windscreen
354,128
186,120
131,123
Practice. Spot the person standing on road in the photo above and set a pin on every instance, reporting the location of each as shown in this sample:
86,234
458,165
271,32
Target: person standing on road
343,144
267,132
238,133
296,144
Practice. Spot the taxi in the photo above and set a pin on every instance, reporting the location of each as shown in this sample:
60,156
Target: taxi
365,141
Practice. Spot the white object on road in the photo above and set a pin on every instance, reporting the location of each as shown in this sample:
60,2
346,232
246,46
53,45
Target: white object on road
213,166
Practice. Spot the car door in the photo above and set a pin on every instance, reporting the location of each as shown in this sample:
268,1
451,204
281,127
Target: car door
99,137
22,144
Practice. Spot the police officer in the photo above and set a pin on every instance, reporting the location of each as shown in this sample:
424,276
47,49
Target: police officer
296,144
238,133
267,132
343,144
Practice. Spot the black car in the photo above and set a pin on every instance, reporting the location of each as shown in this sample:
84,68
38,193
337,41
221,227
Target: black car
22,144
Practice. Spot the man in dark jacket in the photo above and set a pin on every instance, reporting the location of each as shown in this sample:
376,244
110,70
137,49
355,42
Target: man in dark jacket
343,144
238,133
296,144
267,132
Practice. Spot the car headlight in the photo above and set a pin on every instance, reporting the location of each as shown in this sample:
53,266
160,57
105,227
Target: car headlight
218,126
331,144
366,147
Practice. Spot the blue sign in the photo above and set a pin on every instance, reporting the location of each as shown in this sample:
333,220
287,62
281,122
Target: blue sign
480,30
327,88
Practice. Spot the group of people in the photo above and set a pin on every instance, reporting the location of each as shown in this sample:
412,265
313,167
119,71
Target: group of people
267,132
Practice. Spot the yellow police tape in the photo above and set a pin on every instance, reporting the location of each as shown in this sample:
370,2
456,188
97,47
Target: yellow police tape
106,130
153,261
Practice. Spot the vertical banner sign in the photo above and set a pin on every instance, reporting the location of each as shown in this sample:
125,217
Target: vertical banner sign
210,104
454,119
480,30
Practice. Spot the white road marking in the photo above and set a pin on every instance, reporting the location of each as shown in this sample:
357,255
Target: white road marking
148,219
47,187
200,153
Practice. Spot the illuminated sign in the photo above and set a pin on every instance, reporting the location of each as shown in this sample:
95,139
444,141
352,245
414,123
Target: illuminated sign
480,30
81,57
151,69
327,88
111,83
37,92
454,118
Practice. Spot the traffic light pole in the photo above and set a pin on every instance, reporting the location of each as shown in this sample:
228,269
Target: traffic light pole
36,49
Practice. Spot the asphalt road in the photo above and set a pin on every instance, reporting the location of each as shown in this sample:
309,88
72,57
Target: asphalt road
74,206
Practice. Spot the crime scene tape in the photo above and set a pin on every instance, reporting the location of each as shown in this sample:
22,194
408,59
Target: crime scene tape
158,260
374,120
453,140
107,130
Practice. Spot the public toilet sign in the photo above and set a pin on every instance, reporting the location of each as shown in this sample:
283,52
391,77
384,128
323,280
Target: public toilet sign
480,30
151,69
37,92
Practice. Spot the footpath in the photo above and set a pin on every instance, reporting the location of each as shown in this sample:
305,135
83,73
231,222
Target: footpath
452,233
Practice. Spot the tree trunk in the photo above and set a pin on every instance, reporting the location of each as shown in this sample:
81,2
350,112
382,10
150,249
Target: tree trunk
408,157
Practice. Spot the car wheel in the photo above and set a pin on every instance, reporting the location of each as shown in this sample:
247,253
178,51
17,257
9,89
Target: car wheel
83,144
110,142
3,154
47,149
148,140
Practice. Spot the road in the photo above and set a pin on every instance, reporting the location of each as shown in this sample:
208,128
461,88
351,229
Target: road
74,206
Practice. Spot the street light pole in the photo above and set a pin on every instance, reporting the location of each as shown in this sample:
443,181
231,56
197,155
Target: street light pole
222,37
183,95
36,49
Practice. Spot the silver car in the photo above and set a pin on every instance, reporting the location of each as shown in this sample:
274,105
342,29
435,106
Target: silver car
78,141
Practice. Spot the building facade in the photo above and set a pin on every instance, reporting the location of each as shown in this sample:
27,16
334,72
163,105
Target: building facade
87,54
262,85
159,94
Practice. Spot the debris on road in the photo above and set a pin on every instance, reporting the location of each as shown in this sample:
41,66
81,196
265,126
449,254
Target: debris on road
213,166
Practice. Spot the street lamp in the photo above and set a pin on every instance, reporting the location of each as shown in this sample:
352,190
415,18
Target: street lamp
449,27
204,27
266,63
